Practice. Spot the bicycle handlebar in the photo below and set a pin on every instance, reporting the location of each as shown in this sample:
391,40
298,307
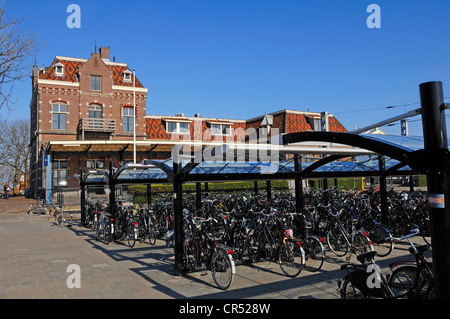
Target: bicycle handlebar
414,231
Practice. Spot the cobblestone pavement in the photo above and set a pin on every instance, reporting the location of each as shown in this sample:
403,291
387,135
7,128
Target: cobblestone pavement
36,253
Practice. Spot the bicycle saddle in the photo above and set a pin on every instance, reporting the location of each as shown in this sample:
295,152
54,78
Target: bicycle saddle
367,256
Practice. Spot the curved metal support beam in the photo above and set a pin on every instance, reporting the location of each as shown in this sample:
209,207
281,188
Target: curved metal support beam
320,163
163,166
396,152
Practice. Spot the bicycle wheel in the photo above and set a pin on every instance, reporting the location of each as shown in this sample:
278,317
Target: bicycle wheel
131,234
191,254
314,253
362,244
401,281
58,219
349,291
291,258
222,269
337,242
99,231
378,237
152,235
107,233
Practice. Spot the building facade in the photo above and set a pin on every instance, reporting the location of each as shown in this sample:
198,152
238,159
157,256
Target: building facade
81,100
82,118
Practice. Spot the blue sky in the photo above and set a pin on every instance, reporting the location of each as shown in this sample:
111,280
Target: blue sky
242,58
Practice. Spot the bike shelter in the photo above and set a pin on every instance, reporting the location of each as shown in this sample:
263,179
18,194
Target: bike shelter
371,156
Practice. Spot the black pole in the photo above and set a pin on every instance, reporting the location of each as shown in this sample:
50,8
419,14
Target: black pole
269,190
83,199
149,194
198,195
383,185
299,199
112,193
435,139
178,219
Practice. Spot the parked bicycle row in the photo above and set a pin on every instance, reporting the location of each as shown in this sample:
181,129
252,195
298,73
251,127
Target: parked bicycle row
247,228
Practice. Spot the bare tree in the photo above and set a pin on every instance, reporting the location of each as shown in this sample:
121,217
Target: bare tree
15,50
15,149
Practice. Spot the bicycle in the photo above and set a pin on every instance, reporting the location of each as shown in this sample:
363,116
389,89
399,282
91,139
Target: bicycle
105,230
279,245
60,217
364,281
146,228
413,280
37,209
340,240
202,251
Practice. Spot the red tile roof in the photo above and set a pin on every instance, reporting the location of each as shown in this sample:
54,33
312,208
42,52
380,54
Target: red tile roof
71,69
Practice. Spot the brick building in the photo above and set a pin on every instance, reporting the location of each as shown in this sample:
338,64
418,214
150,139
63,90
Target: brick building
82,118
82,100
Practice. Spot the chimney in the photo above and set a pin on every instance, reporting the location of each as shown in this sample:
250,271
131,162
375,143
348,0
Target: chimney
104,53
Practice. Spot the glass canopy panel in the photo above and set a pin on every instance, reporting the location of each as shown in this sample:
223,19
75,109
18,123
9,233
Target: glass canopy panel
95,178
412,143
142,174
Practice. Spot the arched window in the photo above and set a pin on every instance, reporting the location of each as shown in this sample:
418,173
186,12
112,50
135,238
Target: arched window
95,116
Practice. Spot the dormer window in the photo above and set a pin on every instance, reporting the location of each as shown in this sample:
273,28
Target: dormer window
59,69
127,76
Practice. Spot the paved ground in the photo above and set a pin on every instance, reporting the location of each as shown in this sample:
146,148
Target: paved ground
35,255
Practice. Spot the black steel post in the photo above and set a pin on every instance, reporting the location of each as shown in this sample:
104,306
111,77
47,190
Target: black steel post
149,194
198,195
178,219
435,139
255,187
83,199
112,193
299,199
383,185
269,190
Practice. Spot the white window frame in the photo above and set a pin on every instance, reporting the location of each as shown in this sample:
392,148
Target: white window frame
220,127
129,116
128,74
94,89
178,127
57,116
57,66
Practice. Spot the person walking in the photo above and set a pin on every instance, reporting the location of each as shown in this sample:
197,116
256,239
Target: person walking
6,189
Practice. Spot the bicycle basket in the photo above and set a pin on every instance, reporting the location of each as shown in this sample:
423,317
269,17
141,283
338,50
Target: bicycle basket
360,280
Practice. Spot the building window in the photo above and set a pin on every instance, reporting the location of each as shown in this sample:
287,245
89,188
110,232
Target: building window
95,164
317,124
96,83
59,173
178,127
127,76
221,129
59,69
128,119
95,116
59,116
